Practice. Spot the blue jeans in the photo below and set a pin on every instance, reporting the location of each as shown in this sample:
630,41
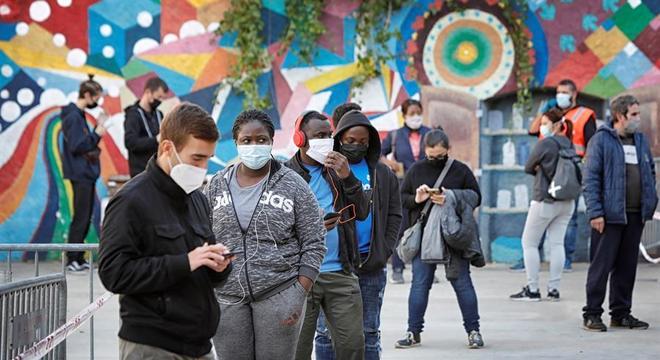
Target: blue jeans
570,239
419,295
373,289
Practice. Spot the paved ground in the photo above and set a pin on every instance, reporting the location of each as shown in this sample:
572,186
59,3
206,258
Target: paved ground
511,330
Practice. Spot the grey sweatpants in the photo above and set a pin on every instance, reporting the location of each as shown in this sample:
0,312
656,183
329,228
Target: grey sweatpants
551,218
266,329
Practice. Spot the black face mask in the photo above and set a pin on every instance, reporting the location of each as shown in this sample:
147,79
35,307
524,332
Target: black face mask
354,152
92,106
154,104
439,161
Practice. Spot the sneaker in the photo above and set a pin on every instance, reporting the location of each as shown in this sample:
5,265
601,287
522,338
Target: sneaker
553,295
397,277
411,340
526,295
84,265
74,267
518,267
475,340
568,268
594,323
629,322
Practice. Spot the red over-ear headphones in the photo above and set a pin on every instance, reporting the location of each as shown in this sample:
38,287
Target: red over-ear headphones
299,137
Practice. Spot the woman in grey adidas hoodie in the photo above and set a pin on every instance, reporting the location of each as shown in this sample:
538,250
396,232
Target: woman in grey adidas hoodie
269,218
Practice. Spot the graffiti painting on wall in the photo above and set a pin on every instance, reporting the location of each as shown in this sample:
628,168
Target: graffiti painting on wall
48,47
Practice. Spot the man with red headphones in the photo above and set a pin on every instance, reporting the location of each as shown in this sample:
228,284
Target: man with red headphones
342,200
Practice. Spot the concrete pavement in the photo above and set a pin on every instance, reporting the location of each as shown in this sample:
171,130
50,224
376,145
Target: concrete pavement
511,330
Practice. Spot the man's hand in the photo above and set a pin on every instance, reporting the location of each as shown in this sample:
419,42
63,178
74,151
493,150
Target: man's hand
330,223
598,224
306,283
101,122
338,163
422,194
209,256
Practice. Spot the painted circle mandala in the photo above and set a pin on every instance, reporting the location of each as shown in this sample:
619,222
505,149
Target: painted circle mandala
470,52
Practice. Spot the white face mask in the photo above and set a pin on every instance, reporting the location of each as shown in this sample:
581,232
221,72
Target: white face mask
563,100
319,149
414,122
188,177
254,156
546,130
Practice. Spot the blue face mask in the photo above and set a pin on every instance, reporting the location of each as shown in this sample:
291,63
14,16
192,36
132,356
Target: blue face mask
254,156
563,100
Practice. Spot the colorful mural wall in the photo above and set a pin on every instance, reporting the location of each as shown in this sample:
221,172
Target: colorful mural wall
48,47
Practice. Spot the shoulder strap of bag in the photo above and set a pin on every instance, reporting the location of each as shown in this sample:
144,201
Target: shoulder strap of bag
442,176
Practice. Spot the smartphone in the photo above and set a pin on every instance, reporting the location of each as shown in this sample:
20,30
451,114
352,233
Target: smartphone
434,191
229,254
330,215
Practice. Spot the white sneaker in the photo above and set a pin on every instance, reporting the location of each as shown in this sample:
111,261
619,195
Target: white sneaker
74,267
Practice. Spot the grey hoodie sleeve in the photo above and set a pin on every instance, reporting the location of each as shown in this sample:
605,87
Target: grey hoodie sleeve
309,229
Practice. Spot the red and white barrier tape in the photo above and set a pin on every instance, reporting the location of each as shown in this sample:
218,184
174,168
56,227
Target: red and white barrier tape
47,344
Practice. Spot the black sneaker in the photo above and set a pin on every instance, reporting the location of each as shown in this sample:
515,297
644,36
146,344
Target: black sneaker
74,267
411,340
594,323
475,340
526,295
553,295
84,265
629,322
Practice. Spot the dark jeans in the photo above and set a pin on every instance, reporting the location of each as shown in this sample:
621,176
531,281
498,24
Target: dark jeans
83,204
570,239
372,287
419,295
614,254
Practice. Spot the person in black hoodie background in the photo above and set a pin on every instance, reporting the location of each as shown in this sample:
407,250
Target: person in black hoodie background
142,125
80,164
376,235
158,251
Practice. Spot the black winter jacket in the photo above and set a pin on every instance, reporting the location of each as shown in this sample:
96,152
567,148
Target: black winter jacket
149,228
139,140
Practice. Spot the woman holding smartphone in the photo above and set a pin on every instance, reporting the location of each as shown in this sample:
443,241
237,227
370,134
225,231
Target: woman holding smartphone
415,192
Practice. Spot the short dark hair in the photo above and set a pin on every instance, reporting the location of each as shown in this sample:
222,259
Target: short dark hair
436,137
253,115
312,115
621,104
342,109
89,86
188,119
568,82
155,83
408,103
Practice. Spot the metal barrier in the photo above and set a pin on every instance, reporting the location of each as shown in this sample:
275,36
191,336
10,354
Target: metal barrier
35,290
31,309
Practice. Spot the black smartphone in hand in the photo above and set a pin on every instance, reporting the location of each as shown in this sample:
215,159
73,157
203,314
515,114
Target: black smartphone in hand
330,215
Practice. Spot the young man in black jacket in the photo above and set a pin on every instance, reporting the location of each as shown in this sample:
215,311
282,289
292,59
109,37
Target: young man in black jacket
142,125
342,200
157,249
80,164
376,235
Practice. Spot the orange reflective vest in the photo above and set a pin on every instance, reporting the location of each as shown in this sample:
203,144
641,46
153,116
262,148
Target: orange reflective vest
578,116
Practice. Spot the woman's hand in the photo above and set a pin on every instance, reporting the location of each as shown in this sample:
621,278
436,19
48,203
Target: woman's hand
438,199
422,194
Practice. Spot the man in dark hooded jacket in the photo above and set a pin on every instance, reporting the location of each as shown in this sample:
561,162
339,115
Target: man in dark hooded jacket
376,236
